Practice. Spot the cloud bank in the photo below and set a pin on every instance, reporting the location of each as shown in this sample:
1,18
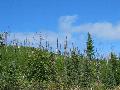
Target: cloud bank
103,30
76,32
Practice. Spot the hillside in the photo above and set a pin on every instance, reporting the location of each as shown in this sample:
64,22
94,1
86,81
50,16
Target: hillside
32,68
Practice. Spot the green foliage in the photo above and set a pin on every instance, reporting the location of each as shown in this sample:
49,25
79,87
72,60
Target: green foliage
28,68
90,47
87,75
1,40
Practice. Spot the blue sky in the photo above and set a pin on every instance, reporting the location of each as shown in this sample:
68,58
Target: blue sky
59,18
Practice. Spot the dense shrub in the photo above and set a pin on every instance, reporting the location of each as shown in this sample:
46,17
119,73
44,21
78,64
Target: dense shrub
29,68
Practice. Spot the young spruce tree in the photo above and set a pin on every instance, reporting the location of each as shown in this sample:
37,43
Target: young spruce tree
110,80
90,47
1,40
87,75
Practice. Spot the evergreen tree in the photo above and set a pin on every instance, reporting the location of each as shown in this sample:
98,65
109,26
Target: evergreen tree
113,61
87,76
75,68
110,78
114,66
1,40
90,47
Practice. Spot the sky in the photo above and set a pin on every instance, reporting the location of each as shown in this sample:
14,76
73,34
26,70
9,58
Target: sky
60,18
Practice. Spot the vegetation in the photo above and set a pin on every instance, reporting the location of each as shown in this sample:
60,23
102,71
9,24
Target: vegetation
30,68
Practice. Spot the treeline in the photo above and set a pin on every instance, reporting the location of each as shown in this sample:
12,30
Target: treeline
30,68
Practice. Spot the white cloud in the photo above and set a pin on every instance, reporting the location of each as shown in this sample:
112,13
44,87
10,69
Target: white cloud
102,30
67,27
66,23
